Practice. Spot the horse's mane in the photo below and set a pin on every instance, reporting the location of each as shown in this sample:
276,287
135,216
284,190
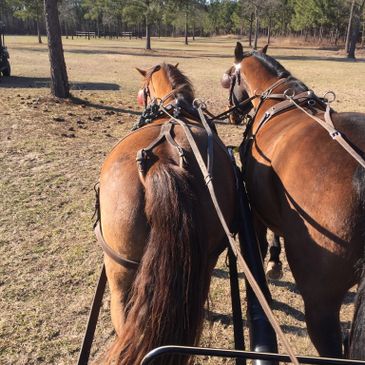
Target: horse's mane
278,69
178,81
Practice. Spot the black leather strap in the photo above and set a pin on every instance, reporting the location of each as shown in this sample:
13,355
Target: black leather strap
93,319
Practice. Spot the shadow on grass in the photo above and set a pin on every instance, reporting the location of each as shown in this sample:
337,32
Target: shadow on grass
285,284
80,101
196,53
227,320
45,82
290,311
222,274
319,58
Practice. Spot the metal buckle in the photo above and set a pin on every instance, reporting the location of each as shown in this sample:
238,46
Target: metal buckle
335,134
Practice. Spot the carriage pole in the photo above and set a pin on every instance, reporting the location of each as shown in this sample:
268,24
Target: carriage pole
262,335
239,340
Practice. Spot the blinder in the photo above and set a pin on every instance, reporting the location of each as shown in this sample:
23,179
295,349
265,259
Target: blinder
144,93
232,80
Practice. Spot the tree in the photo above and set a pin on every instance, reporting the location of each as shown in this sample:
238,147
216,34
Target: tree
149,9
59,86
357,13
349,27
68,15
29,10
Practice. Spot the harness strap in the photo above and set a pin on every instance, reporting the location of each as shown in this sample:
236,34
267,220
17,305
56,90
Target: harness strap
210,137
129,264
142,154
282,106
93,319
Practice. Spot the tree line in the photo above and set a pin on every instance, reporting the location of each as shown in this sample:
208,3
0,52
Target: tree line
314,20
332,21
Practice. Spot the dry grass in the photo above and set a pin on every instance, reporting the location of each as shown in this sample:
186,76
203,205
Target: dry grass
50,156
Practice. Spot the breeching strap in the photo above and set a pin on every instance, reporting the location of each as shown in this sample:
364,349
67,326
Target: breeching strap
241,261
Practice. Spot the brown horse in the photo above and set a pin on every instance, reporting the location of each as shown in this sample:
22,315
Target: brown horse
159,213
305,187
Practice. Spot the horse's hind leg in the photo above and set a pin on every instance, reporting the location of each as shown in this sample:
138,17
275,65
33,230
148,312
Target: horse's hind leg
322,280
323,324
120,281
274,269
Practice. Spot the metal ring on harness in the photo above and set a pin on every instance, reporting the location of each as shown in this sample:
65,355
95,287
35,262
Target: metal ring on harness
199,103
332,99
289,93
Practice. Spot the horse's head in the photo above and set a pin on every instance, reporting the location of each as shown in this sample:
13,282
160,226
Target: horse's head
164,82
231,80
234,80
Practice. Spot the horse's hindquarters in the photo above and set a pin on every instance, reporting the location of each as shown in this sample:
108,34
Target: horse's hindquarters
165,219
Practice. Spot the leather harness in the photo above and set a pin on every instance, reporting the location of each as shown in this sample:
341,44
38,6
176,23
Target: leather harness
301,101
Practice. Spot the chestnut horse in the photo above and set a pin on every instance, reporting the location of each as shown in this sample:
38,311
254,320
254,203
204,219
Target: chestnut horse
308,189
159,213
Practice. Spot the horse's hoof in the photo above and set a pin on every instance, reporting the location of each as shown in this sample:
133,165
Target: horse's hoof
274,270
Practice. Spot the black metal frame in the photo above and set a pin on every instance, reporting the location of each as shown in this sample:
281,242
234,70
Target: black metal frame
237,354
2,35
4,54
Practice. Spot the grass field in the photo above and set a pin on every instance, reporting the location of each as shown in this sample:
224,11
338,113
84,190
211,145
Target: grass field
50,156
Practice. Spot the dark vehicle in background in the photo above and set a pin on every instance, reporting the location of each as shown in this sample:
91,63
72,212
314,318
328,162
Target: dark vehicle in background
4,54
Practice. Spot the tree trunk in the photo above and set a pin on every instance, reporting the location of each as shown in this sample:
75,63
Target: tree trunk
148,34
97,27
250,33
337,34
320,34
39,30
59,86
355,30
186,27
269,31
349,26
193,30
256,28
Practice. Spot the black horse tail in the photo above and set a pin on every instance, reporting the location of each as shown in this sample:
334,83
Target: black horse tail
357,335
167,301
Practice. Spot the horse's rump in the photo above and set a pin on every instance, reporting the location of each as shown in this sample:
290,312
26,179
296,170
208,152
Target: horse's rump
180,238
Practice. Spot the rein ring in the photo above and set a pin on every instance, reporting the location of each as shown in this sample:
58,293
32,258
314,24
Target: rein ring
289,93
332,97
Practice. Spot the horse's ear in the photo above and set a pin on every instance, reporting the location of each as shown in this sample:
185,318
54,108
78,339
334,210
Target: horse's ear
177,65
238,52
142,72
264,49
